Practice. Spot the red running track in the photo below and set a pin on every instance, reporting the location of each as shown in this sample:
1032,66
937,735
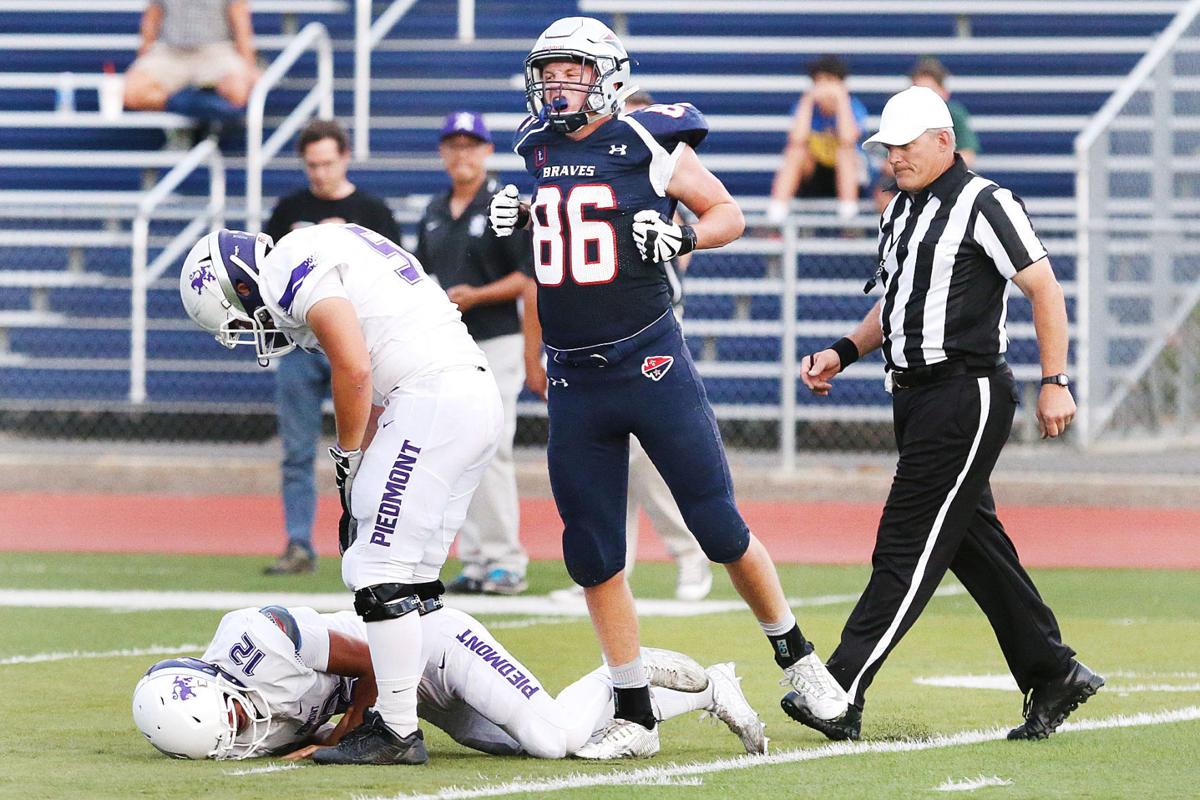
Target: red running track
817,533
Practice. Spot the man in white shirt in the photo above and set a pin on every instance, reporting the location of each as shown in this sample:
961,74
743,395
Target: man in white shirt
418,418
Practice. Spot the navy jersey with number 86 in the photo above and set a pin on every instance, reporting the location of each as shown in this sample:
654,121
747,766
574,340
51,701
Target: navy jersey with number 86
593,286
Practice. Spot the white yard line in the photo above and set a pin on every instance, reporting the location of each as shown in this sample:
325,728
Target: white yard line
653,775
541,610
153,650
1007,684
238,773
532,605
971,784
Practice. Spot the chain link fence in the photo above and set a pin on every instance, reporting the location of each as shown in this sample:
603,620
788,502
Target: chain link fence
752,310
1139,282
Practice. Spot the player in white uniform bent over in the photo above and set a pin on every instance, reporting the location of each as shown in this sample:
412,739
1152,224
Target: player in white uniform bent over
418,418
272,677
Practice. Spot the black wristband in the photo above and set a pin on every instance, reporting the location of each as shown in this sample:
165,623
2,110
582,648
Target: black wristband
522,217
689,239
847,351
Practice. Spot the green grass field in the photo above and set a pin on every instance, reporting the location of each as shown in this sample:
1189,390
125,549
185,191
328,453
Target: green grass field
67,731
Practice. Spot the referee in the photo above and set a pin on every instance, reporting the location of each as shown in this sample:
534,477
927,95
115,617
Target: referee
949,242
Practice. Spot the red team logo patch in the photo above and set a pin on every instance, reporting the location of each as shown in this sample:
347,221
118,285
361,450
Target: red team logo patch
539,156
654,367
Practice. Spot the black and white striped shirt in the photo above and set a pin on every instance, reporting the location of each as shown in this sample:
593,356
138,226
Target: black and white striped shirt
946,256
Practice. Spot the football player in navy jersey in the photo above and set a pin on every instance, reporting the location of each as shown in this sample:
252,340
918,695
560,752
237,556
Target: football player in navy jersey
607,184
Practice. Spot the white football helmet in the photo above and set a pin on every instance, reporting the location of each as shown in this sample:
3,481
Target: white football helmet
585,41
188,708
208,284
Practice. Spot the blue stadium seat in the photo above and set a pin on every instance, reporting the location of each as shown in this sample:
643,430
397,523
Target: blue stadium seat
717,264
764,307
15,298
710,306
742,391
62,384
748,348
32,258
211,387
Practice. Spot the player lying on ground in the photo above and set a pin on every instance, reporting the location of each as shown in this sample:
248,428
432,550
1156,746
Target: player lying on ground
272,678
417,412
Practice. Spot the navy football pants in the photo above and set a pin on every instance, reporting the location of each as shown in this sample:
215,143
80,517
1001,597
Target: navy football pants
597,398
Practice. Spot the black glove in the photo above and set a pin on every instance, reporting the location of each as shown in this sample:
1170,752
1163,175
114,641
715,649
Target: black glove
345,467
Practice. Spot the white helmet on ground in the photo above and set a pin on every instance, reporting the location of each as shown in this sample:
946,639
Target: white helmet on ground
188,708
585,41
220,292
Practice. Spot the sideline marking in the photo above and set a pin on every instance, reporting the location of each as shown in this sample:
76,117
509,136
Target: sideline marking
484,605
153,650
971,784
647,775
1007,684
237,773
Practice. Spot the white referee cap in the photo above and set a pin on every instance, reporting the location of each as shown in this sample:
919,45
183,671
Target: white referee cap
909,114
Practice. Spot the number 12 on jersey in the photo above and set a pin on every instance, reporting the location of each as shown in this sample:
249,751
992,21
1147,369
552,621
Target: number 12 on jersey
564,239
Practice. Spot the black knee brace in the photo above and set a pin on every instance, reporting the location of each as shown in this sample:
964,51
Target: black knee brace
385,601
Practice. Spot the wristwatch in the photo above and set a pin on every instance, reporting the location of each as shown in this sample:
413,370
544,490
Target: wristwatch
1060,379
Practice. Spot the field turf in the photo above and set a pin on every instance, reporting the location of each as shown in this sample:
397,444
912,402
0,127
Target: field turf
67,731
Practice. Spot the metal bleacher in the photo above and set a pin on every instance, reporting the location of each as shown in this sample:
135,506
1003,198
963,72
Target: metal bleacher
1031,74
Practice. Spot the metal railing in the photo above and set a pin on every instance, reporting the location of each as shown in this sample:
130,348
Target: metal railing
1136,187
367,34
143,273
319,99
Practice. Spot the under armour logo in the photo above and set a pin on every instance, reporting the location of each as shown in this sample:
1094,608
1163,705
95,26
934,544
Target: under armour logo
617,149
558,382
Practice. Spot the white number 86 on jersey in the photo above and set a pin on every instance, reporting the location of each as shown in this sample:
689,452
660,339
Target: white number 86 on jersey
593,243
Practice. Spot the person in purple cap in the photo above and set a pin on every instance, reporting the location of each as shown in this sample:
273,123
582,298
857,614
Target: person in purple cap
484,275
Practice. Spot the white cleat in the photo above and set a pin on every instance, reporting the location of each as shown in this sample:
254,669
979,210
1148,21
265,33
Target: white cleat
731,707
621,739
821,694
668,669
695,579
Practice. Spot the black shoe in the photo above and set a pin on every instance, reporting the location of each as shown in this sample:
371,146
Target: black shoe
847,726
465,585
374,742
1051,703
296,559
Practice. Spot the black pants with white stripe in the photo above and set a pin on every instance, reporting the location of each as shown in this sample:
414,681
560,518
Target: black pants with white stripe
940,516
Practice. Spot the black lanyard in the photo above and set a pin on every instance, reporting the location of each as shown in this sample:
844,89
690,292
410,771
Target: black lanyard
914,211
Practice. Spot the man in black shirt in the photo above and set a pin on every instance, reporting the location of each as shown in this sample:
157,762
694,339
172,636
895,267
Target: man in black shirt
949,243
302,381
484,275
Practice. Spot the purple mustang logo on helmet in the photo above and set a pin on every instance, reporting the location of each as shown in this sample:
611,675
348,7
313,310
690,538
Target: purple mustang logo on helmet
183,689
200,277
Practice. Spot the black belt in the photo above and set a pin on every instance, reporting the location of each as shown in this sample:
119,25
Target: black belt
969,365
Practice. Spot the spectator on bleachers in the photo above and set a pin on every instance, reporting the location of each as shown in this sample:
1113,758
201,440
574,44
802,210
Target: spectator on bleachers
823,156
483,275
303,380
196,58
931,73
